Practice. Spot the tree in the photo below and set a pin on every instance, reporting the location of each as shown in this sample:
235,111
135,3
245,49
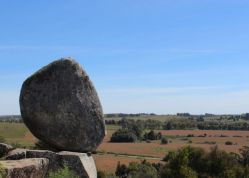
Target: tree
137,130
151,135
141,170
218,161
168,126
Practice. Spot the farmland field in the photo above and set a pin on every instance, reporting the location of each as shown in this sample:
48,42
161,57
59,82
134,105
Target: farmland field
109,154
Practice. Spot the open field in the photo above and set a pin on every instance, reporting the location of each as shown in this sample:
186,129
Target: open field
108,163
111,153
178,139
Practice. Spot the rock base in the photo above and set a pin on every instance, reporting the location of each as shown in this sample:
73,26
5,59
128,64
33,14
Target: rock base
82,164
25,168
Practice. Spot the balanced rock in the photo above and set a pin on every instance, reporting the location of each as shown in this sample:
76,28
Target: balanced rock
60,106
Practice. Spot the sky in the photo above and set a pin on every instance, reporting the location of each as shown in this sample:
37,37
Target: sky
151,56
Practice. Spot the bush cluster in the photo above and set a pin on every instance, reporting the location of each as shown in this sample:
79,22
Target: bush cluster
191,162
123,135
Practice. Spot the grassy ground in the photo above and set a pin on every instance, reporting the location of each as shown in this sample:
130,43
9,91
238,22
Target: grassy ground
14,134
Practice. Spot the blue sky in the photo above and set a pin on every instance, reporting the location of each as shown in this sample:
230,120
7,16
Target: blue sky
160,56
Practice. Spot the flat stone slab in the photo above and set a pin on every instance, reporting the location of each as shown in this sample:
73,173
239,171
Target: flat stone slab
60,106
82,163
25,168
16,154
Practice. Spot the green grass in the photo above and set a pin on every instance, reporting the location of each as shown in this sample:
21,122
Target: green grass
14,133
63,173
12,130
2,171
161,149
113,127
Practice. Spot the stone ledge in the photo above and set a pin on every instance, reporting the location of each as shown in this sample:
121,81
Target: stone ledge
25,168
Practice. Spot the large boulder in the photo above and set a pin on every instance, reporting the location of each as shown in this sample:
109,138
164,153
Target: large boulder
60,106
25,168
4,149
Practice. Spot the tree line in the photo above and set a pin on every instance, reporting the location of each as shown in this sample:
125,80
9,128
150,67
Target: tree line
183,124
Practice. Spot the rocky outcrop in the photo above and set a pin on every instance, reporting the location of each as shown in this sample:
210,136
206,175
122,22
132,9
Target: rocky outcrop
55,161
26,168
82,164
60,106
4,149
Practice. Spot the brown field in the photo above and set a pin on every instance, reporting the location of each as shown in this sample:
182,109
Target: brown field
156,149
108,163
153,151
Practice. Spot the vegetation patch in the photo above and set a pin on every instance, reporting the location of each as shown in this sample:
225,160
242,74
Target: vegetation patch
65,172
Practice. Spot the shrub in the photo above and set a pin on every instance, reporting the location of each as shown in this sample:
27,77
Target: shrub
123,135
121,170
17,145
63,173
143,169
102,174
164,140
229,143
152,135
190,135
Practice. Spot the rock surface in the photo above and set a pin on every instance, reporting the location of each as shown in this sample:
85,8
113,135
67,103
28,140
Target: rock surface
16,154
55,161
26,168
4,149
60,106
81,163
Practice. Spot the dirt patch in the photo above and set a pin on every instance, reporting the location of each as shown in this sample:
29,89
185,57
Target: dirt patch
108,163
